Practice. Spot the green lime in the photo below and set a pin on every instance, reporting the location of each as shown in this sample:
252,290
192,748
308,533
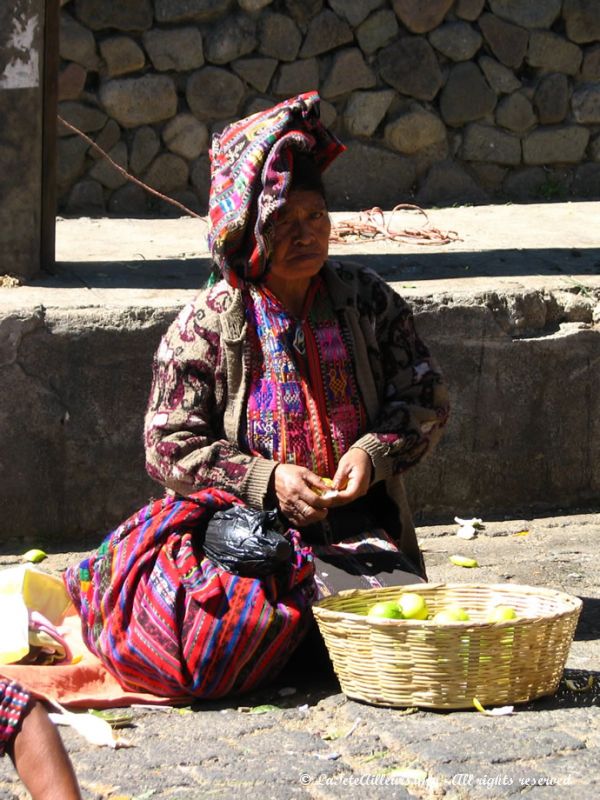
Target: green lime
451,613
34,556
413,606
386,610
501,614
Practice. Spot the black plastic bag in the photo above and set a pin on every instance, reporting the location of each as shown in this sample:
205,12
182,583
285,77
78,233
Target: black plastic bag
246,542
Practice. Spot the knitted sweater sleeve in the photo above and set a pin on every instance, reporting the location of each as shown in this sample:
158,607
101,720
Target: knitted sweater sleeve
186,449
14,704
414,403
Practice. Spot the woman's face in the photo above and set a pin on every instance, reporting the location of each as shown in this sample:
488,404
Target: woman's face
301,236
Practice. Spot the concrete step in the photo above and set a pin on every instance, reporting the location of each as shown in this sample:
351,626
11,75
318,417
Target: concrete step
511,310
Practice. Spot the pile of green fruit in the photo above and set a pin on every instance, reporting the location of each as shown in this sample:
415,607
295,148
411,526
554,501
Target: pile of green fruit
411,605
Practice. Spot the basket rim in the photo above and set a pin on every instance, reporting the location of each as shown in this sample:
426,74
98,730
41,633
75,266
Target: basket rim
321,607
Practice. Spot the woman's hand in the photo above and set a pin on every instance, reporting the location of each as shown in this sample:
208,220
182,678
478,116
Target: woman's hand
296,500
354,474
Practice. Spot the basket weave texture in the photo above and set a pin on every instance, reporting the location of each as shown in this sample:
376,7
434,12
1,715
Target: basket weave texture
425,663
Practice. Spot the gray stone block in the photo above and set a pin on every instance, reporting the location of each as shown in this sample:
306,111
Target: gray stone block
355,11
515,113
213,93
485,143
279,37
186,136
540,14
121,55
301,76
128,201
139,101
303,10
348,72
387,178
586,182
231,38
557,145
466,96
200,178
507,42
256,104
365,110
256,71
448,183
134,15
188,10
71,153
71,82
594,148
145,146
590,68
104,172
414,131
458,41
582,20
107,138
183,197
377,30
325,32
421,17
553,53
551,99
469,9
178,49
167,173
86,200
328,113
489,176
500,78
254,5
77,43
410,66
86,118
585,103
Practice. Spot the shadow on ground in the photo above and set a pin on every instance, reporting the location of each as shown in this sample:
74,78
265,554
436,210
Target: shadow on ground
190,273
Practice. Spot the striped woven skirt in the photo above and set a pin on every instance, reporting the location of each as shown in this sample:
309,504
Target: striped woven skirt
164,619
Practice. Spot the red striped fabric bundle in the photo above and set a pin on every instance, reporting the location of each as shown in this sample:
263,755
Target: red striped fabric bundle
166,620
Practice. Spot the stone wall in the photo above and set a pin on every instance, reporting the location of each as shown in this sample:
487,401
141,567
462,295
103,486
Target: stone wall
441,102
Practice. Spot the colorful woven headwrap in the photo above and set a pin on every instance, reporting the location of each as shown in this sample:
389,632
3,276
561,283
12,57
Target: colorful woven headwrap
251,169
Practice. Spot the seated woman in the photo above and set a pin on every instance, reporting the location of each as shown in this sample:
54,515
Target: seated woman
289,369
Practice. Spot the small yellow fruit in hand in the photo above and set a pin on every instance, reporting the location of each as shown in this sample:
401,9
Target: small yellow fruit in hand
451,613
385,610
501,614
413,606
325,493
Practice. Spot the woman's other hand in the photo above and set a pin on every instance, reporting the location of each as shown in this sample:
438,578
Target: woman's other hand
353,476
295,498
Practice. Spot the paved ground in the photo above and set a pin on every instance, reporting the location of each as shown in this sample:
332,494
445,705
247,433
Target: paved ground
310,741
315,743
162,261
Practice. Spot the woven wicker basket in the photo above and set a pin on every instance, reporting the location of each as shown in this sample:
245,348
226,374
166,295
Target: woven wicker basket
424,663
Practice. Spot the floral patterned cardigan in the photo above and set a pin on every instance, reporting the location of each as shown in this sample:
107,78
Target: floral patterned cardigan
200,379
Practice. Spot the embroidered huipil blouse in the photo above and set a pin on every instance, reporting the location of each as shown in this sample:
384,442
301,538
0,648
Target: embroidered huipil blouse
303,404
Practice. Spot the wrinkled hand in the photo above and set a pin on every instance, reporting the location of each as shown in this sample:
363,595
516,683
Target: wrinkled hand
301,505
354,474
